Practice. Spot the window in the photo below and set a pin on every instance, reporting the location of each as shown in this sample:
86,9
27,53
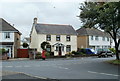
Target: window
107,38
92,38
68,48
57,37
56,48
48,48
48,37
7,35
96,38
103,38
68,37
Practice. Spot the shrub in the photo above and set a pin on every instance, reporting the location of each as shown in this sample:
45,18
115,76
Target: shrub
2,51
83,50
47,54
25,45
38,55
75,52
112,49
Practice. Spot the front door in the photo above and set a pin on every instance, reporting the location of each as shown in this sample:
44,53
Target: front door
59,51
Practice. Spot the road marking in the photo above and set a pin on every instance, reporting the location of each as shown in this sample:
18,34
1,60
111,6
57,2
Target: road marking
33,75
8,66
37,65
63,67
18,66
26,66
104,73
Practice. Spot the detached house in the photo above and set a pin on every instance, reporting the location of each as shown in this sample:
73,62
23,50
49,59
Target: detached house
92,38
9,38
62,38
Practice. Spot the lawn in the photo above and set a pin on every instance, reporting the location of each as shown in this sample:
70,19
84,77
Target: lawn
116,62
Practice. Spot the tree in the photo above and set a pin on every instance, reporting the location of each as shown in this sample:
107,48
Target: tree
105,16
25,45
44,44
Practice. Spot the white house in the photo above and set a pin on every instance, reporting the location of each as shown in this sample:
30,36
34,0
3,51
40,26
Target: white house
9,38
92,38
62,38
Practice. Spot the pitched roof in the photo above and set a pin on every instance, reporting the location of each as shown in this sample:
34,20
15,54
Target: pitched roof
55,29
91,31
5,26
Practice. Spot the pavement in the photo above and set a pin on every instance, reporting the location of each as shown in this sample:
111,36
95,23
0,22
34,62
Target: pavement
10,76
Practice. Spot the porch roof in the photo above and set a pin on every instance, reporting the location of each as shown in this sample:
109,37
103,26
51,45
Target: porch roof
58,44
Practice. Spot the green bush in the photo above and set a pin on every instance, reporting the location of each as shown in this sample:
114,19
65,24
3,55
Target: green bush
38,55
47,54
83,50
75,53
2,51
25,45
112,49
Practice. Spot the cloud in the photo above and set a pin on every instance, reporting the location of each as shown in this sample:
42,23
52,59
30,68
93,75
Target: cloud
22,13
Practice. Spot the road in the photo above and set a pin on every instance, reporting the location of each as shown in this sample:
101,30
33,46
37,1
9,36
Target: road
72,68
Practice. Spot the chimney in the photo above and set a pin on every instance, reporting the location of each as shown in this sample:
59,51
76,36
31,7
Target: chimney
35,20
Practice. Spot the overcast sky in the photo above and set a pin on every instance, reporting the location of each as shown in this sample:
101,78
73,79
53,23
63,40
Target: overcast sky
21,13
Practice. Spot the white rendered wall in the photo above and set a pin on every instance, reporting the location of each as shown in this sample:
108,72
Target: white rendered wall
3,39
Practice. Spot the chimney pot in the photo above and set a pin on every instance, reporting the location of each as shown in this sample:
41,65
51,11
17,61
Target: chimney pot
35,20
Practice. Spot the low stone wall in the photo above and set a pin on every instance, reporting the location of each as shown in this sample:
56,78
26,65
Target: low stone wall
3,57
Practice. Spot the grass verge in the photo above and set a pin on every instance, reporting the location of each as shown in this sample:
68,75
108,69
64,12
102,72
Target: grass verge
116,62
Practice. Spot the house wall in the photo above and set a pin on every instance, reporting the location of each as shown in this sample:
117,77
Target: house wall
37,39
99,43
86,42
3,39
34,40
16,43
82,42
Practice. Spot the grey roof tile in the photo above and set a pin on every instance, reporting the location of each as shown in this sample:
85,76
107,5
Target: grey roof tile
5,26
55,29
91,31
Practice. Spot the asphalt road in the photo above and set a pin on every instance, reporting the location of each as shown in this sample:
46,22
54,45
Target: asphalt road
72,68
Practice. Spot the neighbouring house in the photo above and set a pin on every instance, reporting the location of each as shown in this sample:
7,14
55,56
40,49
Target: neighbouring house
9,38
92,38
62,38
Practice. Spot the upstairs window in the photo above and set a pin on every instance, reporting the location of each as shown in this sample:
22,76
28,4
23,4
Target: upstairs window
48,37
68,38
107,38
96,38
103,38
92,38
7,35
57,37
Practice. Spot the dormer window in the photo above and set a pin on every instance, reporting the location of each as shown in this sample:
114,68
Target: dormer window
7,35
